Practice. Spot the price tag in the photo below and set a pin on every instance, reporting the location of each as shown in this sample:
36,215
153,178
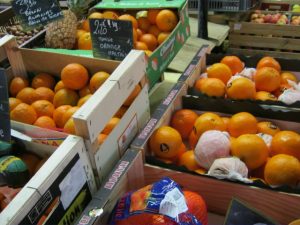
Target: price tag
111,39
36,13
4,108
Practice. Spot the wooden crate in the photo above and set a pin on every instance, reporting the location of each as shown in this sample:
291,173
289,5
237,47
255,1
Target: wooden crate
268,200
68,162
92,117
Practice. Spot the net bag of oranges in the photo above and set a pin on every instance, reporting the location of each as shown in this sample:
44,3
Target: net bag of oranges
160,203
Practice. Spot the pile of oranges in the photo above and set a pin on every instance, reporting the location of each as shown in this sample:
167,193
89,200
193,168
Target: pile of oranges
46,103
150,28
275,160
226,79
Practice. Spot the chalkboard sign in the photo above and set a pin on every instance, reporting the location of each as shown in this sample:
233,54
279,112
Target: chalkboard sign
4,108
111,39
36,13
240,213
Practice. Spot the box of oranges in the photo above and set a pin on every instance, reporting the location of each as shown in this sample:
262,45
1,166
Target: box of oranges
199,143
38,179
105,102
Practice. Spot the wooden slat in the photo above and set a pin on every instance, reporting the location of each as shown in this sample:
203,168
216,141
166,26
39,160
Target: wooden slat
278,54
264,42
265,29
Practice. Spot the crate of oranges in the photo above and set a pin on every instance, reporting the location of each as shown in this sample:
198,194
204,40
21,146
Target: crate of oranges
199,145
256,81
35,178
105,102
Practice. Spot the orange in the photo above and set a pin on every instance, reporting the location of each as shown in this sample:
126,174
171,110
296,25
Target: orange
264,96
45,93
225,121
268,62
101,138
199,83
65,97
141,46
31,160
152,14
286,142
84,91
74,76
166,20
208,121
282,170
43,108
150,40
86,25
16,85
27,95
97,80
183,121
241,88
58,115
58,86
82,100
23,113
285,76
43,80
211,87
95,15
193,139
267,79
13,102
79,32
135,35
109,14
165,142
69,127
69,113
281,89
132,96
242,123
139,33
45,122
120,113
144,24
153,29
187,159
85,41
267,127
112,123
251,149
220,71
129,18
234,63
162,37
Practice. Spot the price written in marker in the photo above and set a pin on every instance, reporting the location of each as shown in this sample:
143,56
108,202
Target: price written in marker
36,13
111,39
4,108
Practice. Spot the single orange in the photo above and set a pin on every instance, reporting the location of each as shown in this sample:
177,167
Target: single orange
80,32
162,37
45,93
27,95
84,91
83,100
183,121
101,138
166,20
74,76
251,149
285,76
58,86
241,88
269,62
43,80
264,96
188,160
69,113
132,96
242,123
58,115
112,123
153,29
234,63
120,113
45,122
225,121
193,139
282,169
43,108
220,71
85,41
267,127
109,14
95,15
97,80
150,41
16,85
85,25
65,96
13,102
141,46
129,17
211,87
144,24
69,127
267,79
23,113
152,14
139,33
165,142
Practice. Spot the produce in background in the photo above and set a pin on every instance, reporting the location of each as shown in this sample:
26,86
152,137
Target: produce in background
295,20
238,147
276,18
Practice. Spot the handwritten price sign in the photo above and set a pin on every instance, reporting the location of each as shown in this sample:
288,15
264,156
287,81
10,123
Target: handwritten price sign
36,13
4,108
112,39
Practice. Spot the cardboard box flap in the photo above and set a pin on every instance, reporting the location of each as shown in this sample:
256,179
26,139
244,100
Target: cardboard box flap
137,4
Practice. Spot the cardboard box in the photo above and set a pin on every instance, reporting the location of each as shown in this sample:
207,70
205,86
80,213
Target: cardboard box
92,117
217,193
65,179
